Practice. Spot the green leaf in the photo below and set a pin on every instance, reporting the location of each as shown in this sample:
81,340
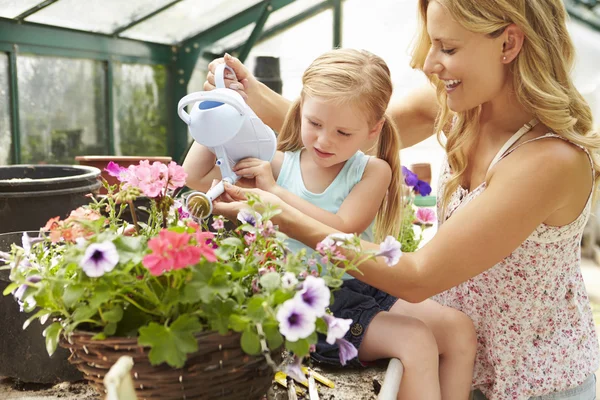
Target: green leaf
274,338
250,342
73,294
238,322
52,333
100,296
313,338
238,293
220,311
281,296
300,347
270,281
232,241
83,312
321,325
256,309
10,288
332,282
170,344
110,329
115,314
99,336
38,314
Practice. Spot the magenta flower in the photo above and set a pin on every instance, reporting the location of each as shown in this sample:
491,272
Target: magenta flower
347,351
117,171
296,320
336,328
314,295
249,238
425,216
177,175
390,249
99,258
218,224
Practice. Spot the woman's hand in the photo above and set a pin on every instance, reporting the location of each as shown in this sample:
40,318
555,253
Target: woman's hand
257,170
234,199
245,82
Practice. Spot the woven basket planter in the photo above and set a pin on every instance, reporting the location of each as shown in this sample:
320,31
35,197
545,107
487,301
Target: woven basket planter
218,370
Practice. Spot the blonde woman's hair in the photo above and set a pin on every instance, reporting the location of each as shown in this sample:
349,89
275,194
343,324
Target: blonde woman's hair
347,76
540,74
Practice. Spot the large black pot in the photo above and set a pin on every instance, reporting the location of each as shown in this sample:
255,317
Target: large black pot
23,353
32,194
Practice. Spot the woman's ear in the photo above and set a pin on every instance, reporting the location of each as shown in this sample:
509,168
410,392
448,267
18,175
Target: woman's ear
513,43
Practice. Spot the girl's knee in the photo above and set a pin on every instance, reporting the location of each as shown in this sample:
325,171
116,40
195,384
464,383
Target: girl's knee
420,340
461,332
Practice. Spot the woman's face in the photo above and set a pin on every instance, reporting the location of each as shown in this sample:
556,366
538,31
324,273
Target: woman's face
469,64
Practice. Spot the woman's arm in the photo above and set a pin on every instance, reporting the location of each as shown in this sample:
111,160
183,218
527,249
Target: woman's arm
414,114
480,234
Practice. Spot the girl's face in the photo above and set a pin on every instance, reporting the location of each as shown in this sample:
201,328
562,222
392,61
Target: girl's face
332,133
470,64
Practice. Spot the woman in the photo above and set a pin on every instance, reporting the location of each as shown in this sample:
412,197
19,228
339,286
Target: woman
514,195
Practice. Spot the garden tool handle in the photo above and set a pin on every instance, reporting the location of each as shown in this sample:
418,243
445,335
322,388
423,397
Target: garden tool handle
206,96
220,75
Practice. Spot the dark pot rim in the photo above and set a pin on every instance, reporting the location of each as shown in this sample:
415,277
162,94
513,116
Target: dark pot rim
88,173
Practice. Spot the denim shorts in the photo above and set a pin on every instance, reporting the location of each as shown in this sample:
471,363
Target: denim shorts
585,391
359,302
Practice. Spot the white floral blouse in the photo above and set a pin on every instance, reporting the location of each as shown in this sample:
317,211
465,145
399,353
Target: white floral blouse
535,330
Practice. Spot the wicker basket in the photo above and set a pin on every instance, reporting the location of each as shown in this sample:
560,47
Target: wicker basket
218,370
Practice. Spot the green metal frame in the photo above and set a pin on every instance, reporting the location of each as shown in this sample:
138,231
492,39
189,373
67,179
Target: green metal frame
21,37
581,9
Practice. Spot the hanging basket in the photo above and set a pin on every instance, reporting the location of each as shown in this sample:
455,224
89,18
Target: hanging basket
218,370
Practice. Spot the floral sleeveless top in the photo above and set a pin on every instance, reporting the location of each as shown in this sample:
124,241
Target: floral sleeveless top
535,331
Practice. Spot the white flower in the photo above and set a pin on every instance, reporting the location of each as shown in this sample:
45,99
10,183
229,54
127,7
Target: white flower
289,280
315,295
336,328
99,258
296,320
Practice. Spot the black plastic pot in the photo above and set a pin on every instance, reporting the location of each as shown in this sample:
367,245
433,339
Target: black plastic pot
23,353
267,71
32,194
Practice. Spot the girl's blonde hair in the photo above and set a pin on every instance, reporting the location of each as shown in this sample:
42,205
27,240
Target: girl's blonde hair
356,77
540,75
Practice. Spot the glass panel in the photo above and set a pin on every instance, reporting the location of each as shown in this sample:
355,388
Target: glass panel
277,17
186,19
14,8
297,48
95,15
140,101
61,109
5,126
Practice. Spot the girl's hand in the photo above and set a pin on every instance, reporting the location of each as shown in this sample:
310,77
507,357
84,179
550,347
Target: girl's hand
230,203
245,82
258,170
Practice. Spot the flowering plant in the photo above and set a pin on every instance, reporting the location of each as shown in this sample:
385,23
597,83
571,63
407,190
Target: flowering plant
168,278
414,216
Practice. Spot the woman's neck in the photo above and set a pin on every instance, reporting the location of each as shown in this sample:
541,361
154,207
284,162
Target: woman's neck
503,114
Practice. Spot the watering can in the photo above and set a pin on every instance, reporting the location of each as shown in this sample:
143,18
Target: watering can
221,120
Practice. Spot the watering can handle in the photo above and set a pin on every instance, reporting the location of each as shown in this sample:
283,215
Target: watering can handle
206,96
220,75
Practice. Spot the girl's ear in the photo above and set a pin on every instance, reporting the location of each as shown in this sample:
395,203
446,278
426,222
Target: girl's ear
376,130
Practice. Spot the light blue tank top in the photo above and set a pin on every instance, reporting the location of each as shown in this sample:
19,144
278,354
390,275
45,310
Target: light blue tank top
290,178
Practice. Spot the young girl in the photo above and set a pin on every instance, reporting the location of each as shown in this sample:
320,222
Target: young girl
320,170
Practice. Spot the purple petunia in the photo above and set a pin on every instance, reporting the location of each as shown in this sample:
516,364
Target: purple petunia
390,249
19,294
347,351
296,320
99,258
315,295
423,188
247,217
410,178
336,328
294,370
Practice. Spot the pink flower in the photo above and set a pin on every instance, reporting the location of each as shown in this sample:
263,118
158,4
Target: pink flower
177,175
249,238
171,250
150,179
117,171
425,216
218,224
205,244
